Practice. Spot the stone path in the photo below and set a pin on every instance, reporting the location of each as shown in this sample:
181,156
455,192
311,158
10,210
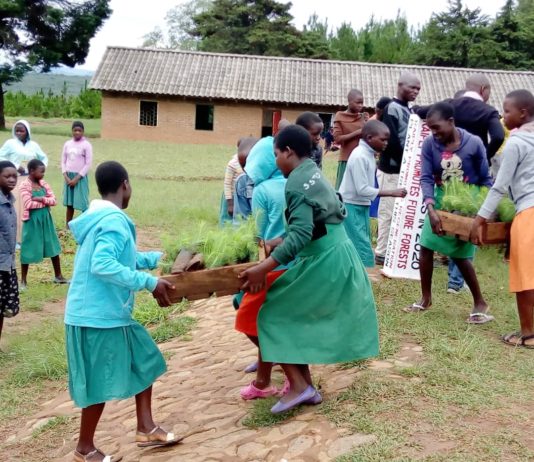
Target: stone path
200,394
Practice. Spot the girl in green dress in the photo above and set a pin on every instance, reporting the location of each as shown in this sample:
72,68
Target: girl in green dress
39,238
321,310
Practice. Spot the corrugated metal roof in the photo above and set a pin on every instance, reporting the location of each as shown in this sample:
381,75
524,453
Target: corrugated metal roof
280,80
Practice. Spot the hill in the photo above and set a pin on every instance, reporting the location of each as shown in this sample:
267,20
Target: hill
34,82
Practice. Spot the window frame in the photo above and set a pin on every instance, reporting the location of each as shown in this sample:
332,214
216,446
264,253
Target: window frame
141,101
212,106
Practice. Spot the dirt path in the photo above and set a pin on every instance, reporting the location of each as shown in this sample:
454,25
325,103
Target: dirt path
200,392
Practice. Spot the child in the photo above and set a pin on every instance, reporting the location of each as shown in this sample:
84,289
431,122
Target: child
39,238
314,124
268,204
321,310
21,148
348,126
358,188
109,355
233,170
76,161
516,175
450,152
9,291
243,185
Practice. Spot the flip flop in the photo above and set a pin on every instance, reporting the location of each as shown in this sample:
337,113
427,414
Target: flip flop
416,308
149,439
303,398
484,318
251,392
78,457
521,340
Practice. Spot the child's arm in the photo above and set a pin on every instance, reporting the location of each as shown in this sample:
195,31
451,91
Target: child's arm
109,245
428,183
28,202
88,159
358,173
147,260
49,199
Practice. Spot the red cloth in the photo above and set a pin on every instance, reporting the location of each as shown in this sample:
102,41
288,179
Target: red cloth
247,314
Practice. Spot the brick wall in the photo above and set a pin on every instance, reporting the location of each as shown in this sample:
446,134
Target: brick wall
176,120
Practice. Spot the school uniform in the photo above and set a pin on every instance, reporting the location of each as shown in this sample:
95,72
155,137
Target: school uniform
39,237
321,310
9,290
268,205
468,163
516,177
109,355
76,159
358,191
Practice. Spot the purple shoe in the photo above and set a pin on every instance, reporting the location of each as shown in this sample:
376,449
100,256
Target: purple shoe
303,398
253,367
317,399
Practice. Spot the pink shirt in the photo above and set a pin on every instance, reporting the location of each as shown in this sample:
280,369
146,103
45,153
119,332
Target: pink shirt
77,156
26,189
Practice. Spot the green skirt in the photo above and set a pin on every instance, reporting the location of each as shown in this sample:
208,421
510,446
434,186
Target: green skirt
358,227
78,196
108,364
39,237
321,310
341,167
446,245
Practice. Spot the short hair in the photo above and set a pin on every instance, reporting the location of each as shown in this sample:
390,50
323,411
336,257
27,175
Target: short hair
354,93
109,177
34,164
443,110
523,99
374,127
383,102
246,144
296,138
6,164
307,119
77,124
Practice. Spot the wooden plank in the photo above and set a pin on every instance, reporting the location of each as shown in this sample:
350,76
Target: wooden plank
460,227
196,285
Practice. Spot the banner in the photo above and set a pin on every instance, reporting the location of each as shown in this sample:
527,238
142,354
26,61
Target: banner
402,254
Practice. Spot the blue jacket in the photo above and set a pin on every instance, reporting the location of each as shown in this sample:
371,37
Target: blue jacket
105,278
268,196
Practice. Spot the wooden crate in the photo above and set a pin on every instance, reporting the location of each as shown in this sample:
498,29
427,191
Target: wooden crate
196,285
460,227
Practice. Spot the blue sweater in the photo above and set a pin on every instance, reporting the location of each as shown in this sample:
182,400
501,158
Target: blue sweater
101,292
468,163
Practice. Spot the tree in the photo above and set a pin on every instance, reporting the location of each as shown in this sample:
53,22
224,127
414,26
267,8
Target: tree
315,39
345,44
45,33
261,27
179,23
458,37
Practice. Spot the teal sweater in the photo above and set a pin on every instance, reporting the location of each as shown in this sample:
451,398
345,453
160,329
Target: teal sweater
106,265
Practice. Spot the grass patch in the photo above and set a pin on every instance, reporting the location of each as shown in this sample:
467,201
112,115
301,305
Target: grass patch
57,127
260,415
54,424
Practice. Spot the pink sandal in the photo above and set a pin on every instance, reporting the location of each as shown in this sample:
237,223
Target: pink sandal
251,392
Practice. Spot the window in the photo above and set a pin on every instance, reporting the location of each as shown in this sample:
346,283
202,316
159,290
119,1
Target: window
204,117
148,113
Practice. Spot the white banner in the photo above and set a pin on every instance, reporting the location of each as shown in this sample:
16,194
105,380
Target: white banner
402,254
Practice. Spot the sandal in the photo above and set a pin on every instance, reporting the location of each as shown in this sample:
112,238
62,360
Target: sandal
79,457
252,392
479,318
521,339
416,308
153,438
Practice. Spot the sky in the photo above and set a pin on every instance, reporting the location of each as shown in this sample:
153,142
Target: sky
132,19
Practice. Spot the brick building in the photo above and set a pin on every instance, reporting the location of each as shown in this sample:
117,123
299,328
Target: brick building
212,98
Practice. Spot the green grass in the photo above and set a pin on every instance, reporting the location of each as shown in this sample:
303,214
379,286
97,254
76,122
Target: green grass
58,127
54,424
260,414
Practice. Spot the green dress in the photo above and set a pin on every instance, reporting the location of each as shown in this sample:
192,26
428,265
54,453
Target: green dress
39,237
321,310
446,245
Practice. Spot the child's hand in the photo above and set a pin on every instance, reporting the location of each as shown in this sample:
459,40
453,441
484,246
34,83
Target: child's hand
161,292
435,222
74,181
253,278
38,199
474,236
399,192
